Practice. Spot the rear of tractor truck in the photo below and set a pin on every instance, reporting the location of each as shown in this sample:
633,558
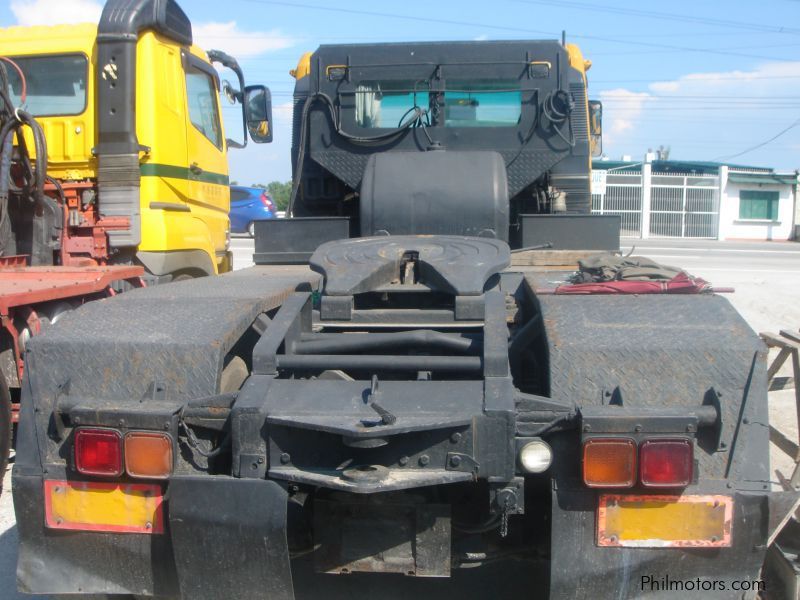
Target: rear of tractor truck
381,406
416,411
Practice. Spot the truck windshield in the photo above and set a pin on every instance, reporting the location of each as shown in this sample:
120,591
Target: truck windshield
386,104
56,85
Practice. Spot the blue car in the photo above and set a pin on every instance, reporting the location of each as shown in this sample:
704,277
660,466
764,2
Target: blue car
248,205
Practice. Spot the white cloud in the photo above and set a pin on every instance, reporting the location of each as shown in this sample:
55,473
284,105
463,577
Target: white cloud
482,37
763,79
241,44
54,12
708,115
622,109
665,86
283,112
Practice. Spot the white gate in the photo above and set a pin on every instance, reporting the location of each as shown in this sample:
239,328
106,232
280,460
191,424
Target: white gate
622,196
684,205
681,205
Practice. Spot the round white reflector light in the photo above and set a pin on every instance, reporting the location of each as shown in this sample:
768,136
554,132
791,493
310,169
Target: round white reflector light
536,456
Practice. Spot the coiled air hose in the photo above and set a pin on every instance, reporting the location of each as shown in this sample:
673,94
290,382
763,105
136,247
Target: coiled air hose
33,173
557,109
414,117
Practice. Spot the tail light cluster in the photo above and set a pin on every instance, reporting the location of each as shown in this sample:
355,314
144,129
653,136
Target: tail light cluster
622,463
267,202
107,453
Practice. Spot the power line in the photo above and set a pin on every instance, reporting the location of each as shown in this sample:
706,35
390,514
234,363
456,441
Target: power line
484,26
743,78
383,38
622,52
710,97
760,145
663,16
727,78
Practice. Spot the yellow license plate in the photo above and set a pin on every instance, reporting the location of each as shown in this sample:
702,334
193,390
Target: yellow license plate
639,521
110,507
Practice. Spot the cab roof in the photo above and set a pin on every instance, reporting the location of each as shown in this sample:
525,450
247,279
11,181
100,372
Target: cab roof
51,39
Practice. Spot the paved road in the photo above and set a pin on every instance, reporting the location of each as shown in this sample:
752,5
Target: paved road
242,248
766,277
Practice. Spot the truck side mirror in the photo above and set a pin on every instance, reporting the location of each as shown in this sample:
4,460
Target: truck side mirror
258,113
596,126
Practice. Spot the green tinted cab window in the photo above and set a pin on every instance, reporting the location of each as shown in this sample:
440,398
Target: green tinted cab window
482,104
388,104
202,97
56,85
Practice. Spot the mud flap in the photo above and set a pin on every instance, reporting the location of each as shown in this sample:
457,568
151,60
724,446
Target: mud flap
229,538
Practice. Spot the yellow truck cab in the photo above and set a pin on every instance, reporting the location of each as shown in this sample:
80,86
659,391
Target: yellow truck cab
130,109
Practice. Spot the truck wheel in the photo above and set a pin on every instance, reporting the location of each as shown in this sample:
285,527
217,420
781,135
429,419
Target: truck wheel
5,428
104,597
89,597
233,375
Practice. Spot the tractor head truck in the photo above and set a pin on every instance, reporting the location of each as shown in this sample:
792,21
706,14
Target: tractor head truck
113,167
381,406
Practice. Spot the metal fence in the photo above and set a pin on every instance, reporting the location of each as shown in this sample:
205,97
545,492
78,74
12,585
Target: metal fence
622,196
681,205
684,205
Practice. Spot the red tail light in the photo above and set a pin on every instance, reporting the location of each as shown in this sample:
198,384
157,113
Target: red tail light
666,463
98,452
267,202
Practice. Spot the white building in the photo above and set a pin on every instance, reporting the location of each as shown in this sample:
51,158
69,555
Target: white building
667,198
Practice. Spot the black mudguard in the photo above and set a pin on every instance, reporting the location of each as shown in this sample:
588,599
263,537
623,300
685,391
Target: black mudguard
582,570
229,537
114,350
649,353
57,562
226,539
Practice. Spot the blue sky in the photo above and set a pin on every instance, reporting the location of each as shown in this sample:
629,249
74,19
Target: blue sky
711,80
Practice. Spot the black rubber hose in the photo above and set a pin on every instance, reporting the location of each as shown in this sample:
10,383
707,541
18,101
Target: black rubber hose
385,137
345,362
423,338
557,108
40,147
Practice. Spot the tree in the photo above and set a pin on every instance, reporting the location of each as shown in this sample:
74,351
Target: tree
279,192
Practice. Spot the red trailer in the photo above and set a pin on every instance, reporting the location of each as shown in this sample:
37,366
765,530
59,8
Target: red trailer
31,298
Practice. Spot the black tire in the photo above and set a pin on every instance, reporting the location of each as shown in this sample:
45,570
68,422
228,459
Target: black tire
182,277
5,428
87,597
93,597
233,375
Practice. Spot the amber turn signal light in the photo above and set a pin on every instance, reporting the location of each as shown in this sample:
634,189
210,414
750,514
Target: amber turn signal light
609,463
148,455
